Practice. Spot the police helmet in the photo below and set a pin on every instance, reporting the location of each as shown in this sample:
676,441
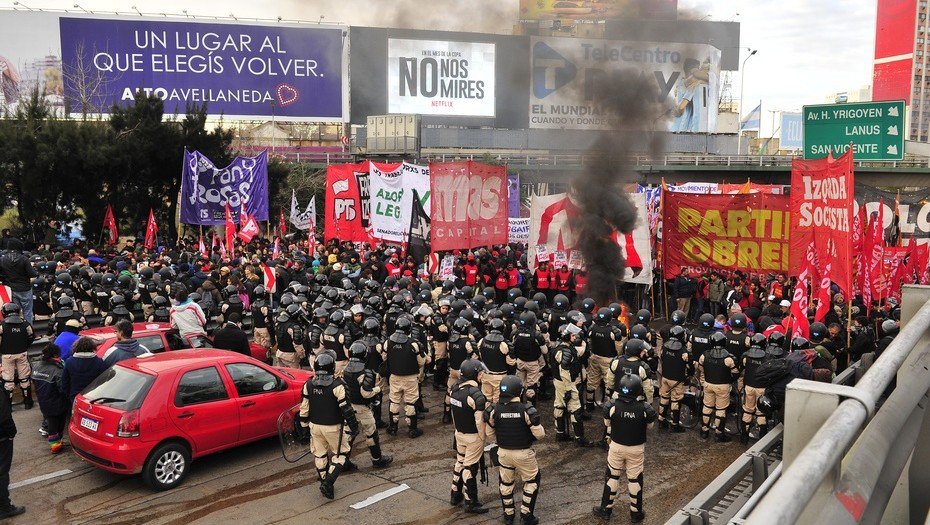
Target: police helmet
337,317
718,340
458,306
707,321
567,331
738,321
818,332
159,301
757,340
325,364
424,296
65,302
630,388
466,292
513,293
532,306
294,309
479,302
488,293
146,273
765,405
63,279
319,313
800,343
634,347
511,387
508,311
777,338
374,302
615,309
678,332
527,319
470,369
11,309
496,325
588,305
494,313
371,326
117,302
540,299
679,317
358,350
519,303
332,294
124,281
287,299
639,332
643,316
575,317
603,316
108,280
403,324
447,286
461,325
560,302
259,291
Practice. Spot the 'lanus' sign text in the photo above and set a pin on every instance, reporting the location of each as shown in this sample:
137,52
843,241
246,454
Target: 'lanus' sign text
875,129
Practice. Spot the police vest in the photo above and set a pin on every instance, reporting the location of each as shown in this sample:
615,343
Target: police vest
674,366
232,308
700,341
491,353
564,359
438,335
556,320
628,424
259,319
462,414
510,425
716,370
402,360
751,362
625,365
355,377
458,350
324,407
331,342
285,342
161,315
602,341
526,345
15,339
736,344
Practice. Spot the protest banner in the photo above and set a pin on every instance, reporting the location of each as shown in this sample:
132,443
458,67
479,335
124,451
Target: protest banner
559,259
206,189
347,204
519,231
542,253
822,214
469,205
747,232
446,268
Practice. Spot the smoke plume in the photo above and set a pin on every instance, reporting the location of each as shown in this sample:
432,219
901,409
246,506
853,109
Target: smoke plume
635,104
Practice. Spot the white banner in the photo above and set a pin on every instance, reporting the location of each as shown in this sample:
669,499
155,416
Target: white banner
519,231
391,199
434,77
305,220
549,228
566,71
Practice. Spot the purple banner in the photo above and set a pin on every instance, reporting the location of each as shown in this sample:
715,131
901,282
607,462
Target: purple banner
238,70
513,195
205,189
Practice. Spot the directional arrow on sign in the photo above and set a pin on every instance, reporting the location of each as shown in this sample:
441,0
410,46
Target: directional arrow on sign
893,150
893,130
893,111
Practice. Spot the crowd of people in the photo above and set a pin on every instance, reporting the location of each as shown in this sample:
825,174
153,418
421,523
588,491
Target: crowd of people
494,337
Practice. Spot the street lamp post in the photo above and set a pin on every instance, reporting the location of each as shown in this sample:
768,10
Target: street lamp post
742,89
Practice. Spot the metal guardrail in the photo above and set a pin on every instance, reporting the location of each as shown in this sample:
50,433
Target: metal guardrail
737,490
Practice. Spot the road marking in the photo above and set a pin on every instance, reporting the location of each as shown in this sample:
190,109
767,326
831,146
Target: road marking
380,496
37,479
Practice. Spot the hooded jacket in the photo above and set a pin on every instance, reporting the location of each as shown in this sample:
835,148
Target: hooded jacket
122,350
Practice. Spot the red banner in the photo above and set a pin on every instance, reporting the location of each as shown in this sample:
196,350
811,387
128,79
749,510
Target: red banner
347,212
109,226
151,231
822,196
469,205
747,232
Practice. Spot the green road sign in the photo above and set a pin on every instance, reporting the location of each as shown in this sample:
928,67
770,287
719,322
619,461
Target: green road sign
876,130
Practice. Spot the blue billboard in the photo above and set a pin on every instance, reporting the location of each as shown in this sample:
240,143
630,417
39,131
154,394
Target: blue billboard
240,71
792,136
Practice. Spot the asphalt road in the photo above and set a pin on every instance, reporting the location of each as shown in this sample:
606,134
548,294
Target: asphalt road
253,484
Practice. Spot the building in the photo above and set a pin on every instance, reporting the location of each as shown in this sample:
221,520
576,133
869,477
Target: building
861,94
900,67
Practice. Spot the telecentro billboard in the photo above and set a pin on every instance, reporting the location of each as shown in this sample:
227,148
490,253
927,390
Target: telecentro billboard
241,71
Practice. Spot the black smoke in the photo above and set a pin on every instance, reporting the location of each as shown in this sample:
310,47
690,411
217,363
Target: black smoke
635,105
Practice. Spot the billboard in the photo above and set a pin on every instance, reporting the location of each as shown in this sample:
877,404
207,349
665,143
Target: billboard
242,71
894,50
791,131
567,71
437,77
598,10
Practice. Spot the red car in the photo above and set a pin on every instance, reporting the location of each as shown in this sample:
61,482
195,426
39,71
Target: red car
155,414
158,337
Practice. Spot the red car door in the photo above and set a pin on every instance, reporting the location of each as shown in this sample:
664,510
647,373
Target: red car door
204,411
261,397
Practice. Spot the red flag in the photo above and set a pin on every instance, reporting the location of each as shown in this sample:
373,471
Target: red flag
282,224
860,229
799,300
215,242
876,249
109,225
151,231
230,232
243,215
276,251
249,228
203,247
823,297
269,278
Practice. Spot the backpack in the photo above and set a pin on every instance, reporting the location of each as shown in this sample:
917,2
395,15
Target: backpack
206,303
799,363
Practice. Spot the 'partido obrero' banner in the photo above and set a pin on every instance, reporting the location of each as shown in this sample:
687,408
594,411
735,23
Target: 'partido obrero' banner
747,232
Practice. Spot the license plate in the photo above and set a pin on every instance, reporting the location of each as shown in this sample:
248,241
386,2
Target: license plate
89,424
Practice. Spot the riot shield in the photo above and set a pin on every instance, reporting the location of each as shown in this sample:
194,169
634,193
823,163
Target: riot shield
293,448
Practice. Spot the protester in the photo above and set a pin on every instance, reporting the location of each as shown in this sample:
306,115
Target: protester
83,367
125,347
46,375
17,273
7,433
231,337
187,316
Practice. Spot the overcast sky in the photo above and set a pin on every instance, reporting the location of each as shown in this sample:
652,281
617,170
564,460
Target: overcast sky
807,49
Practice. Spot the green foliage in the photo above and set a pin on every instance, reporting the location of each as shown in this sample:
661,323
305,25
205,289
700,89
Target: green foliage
58,168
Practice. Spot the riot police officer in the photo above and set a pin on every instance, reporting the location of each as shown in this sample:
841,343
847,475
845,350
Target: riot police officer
737,338
700,336
461,347
753,388
290,338
719,370
602,343
65,313
326,409
371,337
566,375
232,304
405,362
627,418
468,405
161,310
362,384
334,340
494,352
776,346
556,317
15,337
631,362
514,426
678,318
262,320
439,336
676,360
529,347
118,311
